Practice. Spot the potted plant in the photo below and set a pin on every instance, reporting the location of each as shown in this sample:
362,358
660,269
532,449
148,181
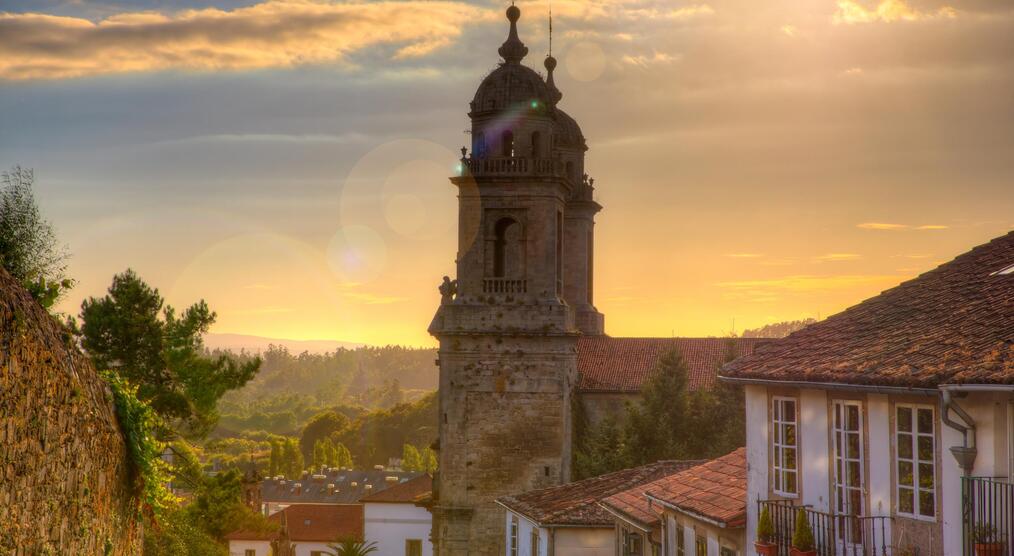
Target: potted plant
802,537
765,534
988,541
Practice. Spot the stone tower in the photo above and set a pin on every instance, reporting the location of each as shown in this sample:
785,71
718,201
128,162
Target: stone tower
508,326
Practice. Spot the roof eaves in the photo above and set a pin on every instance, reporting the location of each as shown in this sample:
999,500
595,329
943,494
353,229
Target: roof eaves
875,388
691,513
622,516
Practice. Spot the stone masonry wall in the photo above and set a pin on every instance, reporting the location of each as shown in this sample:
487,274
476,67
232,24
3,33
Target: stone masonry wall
63,463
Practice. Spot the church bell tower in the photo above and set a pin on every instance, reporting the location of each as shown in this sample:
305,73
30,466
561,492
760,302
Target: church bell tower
508,325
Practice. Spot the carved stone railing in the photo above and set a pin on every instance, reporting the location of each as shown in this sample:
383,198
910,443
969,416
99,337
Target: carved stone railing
504,285
514,165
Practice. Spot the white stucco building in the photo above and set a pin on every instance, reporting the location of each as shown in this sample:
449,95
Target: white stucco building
879,416
397,521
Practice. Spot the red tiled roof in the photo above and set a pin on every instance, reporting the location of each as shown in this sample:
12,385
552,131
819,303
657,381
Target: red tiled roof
577,503
609,364
953,324
312,523
715,490
408,492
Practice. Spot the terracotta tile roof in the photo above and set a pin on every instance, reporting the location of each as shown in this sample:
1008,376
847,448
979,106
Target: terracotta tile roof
312,523
577,503
408,492
715,490
609,364
953,324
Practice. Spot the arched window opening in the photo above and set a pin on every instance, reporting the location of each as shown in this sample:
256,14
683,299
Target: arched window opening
507,143
507,248
479,149
536,144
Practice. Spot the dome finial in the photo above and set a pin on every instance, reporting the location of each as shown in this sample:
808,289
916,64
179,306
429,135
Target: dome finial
554,93
513,50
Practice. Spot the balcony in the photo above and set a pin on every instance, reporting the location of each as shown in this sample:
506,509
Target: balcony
833,534
987,515
512,166
504,285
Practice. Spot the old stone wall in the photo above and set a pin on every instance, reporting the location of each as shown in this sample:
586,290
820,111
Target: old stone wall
64,485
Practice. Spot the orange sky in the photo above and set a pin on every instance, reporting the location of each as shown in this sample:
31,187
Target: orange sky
287,160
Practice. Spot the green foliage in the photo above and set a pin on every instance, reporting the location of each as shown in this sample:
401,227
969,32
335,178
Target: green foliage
765,528
29,250
375,437
292,463
410,459
130,333
275,463
178,534
218,506
371,377
671,422
802,537
324,425
429,460
149,472
352,547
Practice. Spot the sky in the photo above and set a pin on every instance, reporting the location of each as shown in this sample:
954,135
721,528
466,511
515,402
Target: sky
287,160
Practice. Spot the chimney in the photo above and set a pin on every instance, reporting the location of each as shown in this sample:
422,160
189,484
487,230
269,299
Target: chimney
391,479
354,484
299,488
330,489
368,487
378,467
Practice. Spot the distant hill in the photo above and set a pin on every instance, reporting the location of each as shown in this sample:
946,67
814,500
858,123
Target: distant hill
259,344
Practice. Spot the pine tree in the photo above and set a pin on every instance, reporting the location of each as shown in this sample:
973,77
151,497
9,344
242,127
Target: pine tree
429,460
319,454
657,429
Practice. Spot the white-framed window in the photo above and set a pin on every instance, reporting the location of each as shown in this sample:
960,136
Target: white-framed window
784,446
535,542
915,457
514,535
701,545
250,552
413,547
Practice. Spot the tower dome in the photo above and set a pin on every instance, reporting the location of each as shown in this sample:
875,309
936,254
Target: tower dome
512,84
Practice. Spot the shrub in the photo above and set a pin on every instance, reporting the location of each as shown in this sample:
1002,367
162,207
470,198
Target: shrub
802,538
765,529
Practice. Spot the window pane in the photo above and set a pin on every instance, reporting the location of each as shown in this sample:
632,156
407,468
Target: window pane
853,446
925,448
853,413
925,420
905,446
778,480
790,458
926,475
905,473
777,410
790,435
905,419
854,473
790,482
905,500
789,412
927,503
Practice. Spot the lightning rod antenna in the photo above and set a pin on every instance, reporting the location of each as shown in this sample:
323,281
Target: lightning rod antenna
550,27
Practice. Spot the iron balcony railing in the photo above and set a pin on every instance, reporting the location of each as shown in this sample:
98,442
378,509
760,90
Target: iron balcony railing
987,515
833,534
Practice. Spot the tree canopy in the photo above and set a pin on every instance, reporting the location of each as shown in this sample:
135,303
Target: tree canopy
29,249
131,332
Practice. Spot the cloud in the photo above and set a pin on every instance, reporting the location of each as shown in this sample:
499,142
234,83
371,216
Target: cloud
270,34
744,255
932,227
643,61
835,257
881,226
790,30
851,12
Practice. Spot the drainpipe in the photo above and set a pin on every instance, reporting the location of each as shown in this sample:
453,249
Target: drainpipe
964,454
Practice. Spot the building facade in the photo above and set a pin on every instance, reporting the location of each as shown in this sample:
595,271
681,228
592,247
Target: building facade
508,325
397,521
892,423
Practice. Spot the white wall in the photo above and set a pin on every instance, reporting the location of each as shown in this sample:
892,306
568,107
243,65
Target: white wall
756,454
525,528
390,525
584,541
239,548
814,457
305,548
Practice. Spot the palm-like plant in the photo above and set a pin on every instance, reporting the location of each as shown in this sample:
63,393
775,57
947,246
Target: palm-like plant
349,546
